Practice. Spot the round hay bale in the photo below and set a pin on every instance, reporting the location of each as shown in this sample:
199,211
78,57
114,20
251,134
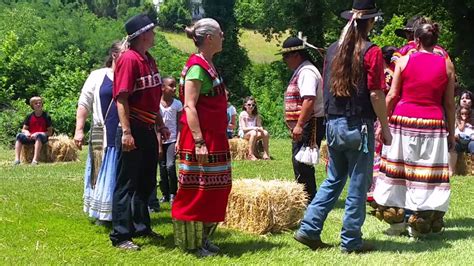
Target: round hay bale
239,148
261,207
63,149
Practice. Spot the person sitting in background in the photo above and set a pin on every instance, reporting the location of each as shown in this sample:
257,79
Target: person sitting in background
231,117
463,134
37,127
250,128
465,101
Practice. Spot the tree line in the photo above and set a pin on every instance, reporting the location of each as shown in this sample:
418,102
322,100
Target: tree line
49,47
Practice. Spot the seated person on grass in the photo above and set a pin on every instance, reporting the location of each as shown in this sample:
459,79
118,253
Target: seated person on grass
464,135
250,128
37,127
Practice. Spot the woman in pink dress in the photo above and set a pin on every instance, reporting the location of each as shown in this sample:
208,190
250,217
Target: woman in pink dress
413,187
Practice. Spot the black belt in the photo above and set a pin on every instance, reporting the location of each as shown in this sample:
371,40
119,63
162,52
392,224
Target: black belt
141,124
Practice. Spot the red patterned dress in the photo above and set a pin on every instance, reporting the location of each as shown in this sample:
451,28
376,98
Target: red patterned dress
204,188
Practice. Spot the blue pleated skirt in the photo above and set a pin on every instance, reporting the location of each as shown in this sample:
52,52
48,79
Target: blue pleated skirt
98,200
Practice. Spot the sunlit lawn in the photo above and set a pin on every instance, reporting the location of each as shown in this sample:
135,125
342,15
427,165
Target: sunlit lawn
259,50
41,222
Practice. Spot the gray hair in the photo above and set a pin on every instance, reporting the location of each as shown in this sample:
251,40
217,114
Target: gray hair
202,27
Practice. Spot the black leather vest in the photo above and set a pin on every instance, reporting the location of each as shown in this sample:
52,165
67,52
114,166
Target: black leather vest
359,103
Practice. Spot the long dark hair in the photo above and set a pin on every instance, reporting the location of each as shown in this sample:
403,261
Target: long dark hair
250,98
347,66
113,50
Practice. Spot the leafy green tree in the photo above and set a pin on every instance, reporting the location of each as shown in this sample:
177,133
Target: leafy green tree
174,14
387,36
248,13
233,59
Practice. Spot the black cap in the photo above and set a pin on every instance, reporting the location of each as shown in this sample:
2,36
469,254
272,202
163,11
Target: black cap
138,25
408,27
366,7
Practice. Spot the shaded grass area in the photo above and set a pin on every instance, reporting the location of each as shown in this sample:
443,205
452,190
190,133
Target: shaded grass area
41,222
259,50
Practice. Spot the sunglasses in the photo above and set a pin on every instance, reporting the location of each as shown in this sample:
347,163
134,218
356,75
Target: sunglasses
250,104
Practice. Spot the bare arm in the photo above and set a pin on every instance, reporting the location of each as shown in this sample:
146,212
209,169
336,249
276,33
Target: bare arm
306,110
448,102
81,116
377,98
128,143
233,120
178,131
25,130
49,131
192,88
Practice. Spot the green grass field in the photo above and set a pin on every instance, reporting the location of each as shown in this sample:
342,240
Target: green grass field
258,49
41,222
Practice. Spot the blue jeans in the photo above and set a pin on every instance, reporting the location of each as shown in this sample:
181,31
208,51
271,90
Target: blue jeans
25,140
351,153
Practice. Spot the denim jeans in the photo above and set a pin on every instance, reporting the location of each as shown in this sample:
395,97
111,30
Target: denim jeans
351,154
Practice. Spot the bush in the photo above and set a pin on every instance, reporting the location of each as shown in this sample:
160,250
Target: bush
174,15
267,84
49,50
11,121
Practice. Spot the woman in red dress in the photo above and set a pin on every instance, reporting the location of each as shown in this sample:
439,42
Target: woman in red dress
204,167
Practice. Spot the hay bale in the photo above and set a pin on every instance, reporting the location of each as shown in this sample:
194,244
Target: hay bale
27,153
239,148
63,149
463,164
261,207
323,152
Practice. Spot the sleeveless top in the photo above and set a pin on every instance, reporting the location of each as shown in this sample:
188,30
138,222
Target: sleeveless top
424,83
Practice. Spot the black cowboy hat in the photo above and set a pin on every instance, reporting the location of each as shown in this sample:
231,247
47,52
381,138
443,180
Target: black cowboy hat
137,25
367,7
408,27
292,44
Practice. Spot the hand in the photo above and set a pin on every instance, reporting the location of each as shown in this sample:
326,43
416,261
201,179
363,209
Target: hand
27,134
79,139
176,148
33,136
128,142
297,133
451,142
386,136
201,154
165,133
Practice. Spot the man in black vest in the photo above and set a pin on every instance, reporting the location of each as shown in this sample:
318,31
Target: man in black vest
353,96
304,109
